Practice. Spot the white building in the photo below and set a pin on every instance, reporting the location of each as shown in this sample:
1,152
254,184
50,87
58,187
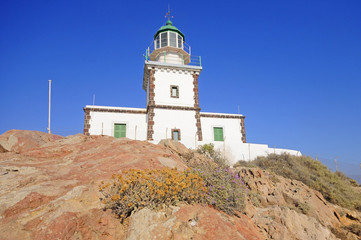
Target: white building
172,110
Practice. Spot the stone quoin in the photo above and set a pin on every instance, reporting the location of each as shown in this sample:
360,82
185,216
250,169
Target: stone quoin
170,80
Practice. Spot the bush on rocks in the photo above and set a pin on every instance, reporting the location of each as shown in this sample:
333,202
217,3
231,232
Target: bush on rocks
136,189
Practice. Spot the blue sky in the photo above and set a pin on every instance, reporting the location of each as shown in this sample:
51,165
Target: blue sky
292,67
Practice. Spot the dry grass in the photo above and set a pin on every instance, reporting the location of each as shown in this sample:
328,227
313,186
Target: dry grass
336,187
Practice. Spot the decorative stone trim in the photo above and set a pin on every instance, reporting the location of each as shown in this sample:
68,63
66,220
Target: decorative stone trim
196,106
221,116
115,110
151,105
86,121
159,66
171,91
169,107
179,133
243,130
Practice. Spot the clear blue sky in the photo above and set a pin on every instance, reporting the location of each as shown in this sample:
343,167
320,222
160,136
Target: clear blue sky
293,67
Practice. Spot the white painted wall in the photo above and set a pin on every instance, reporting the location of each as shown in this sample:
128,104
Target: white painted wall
231,133
164,79
106,121
165,120
233,149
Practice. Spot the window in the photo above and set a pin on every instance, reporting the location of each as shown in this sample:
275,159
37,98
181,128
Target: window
176,135
218,134
164,39
174,91
180,41
172,39
157,42
120,130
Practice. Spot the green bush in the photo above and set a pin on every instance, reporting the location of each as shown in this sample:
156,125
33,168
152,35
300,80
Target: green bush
335,187
215,155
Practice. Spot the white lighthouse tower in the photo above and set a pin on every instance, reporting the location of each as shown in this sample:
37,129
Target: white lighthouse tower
171,82
172,110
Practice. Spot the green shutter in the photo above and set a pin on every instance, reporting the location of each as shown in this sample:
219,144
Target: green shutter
120,130
218,134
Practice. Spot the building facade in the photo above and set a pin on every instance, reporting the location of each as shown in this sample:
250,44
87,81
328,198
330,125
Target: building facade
172,110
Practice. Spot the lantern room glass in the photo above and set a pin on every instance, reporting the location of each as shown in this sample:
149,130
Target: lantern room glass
168,38
164,39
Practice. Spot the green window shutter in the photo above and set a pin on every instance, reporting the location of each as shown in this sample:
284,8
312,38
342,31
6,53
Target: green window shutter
218,134
120,130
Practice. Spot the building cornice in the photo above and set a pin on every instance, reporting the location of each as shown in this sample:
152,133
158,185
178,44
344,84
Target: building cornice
173,66
170,107
221,115
114,109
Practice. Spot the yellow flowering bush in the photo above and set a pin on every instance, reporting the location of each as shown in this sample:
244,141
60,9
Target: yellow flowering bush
136,189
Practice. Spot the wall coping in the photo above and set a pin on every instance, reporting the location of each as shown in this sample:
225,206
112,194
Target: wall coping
221,115
90,108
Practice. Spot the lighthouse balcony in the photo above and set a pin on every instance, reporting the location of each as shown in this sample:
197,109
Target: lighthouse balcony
175,55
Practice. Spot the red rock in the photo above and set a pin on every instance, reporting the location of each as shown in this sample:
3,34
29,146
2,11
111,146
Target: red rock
49,190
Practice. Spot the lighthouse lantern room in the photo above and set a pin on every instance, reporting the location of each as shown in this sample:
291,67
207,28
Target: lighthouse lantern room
169,46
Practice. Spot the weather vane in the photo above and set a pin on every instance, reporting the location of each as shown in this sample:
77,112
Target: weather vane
168,14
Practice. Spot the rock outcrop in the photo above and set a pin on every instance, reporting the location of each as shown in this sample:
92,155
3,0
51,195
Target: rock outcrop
288,209
49,190
49,184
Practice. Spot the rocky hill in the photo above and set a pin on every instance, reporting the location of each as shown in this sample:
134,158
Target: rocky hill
49,189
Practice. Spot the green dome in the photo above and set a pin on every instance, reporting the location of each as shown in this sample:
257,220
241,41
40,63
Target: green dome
169,27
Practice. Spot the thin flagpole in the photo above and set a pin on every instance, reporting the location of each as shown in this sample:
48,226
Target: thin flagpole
49,131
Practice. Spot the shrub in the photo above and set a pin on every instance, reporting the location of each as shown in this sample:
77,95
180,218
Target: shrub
225,189
136,189
209,151
335,187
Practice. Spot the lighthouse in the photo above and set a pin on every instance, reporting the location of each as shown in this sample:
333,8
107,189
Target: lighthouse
170,81
171,84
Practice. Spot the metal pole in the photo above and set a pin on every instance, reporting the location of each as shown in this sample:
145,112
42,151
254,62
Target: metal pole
49,131
135,134
336,163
